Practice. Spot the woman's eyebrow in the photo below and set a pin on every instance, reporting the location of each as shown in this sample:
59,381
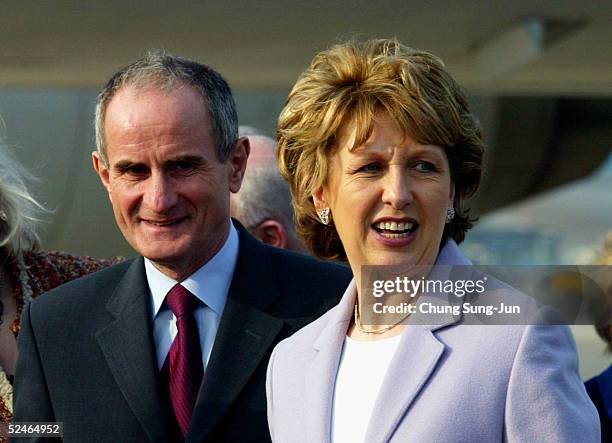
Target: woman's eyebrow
429,149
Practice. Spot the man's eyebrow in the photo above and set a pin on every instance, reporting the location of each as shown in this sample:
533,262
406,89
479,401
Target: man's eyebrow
122,165
192,159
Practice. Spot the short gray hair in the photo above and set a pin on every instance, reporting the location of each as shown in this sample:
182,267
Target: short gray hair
20,213
167,72
246,131
264,193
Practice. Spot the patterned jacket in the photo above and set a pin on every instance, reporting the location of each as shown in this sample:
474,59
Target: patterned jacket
39,273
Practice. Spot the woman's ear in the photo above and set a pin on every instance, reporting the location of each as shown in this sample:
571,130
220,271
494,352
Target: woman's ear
319,198
451,198
321,204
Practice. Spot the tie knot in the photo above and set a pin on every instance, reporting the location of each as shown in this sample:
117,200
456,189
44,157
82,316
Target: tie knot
181,301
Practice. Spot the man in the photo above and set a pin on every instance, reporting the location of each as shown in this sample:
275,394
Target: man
263,204
129,354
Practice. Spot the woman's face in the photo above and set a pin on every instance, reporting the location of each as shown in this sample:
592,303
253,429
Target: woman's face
388,197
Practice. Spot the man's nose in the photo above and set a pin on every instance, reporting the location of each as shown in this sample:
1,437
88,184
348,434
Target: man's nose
397,190
160,195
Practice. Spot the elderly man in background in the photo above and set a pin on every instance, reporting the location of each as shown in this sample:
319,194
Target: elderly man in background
173,345
263,204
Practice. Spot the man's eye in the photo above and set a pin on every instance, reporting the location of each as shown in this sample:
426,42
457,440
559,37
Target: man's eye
135,170
182,166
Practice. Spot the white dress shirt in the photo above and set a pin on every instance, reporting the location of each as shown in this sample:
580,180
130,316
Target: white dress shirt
210,283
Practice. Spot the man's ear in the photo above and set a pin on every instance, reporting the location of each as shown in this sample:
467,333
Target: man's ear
238,163
272,232
101,168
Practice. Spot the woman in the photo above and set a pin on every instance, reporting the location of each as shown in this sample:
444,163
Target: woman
24,272
381,151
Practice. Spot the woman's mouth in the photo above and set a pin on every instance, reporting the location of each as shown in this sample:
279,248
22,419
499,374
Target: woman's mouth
393,230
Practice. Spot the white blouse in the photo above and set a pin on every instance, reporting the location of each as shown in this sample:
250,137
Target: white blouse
363,365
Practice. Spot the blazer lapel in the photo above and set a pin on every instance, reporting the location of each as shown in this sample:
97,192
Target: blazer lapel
127,345
414,362
245,336
417,355
321,375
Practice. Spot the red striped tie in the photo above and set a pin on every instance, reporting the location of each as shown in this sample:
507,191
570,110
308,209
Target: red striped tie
185,356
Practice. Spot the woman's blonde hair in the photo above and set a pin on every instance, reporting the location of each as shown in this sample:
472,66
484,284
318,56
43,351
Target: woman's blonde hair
349,83
20,213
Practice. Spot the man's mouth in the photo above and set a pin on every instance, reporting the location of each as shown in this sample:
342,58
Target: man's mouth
395,229
163,223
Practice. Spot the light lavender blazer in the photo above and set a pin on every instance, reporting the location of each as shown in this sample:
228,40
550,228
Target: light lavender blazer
446,383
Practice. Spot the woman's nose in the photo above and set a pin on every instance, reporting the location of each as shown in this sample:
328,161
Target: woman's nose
397,191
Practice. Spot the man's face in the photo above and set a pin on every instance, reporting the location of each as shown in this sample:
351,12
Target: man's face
169,192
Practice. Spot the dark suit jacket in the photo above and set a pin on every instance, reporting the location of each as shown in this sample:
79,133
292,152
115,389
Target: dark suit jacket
87,357
600,391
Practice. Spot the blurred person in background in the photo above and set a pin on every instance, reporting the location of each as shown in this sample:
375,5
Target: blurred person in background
381,151
263,204
25,272
599,388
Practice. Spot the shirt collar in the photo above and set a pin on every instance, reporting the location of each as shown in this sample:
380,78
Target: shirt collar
210,283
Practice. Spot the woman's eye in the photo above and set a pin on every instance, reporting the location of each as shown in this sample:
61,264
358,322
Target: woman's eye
370,167
424,166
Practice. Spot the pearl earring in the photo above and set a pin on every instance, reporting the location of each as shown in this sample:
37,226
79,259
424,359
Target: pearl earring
324,215
450,214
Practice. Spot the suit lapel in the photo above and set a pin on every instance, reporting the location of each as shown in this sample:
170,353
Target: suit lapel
127,345
321,375
245,336
249,334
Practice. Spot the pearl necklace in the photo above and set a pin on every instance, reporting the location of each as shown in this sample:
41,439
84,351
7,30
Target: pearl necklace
374,331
